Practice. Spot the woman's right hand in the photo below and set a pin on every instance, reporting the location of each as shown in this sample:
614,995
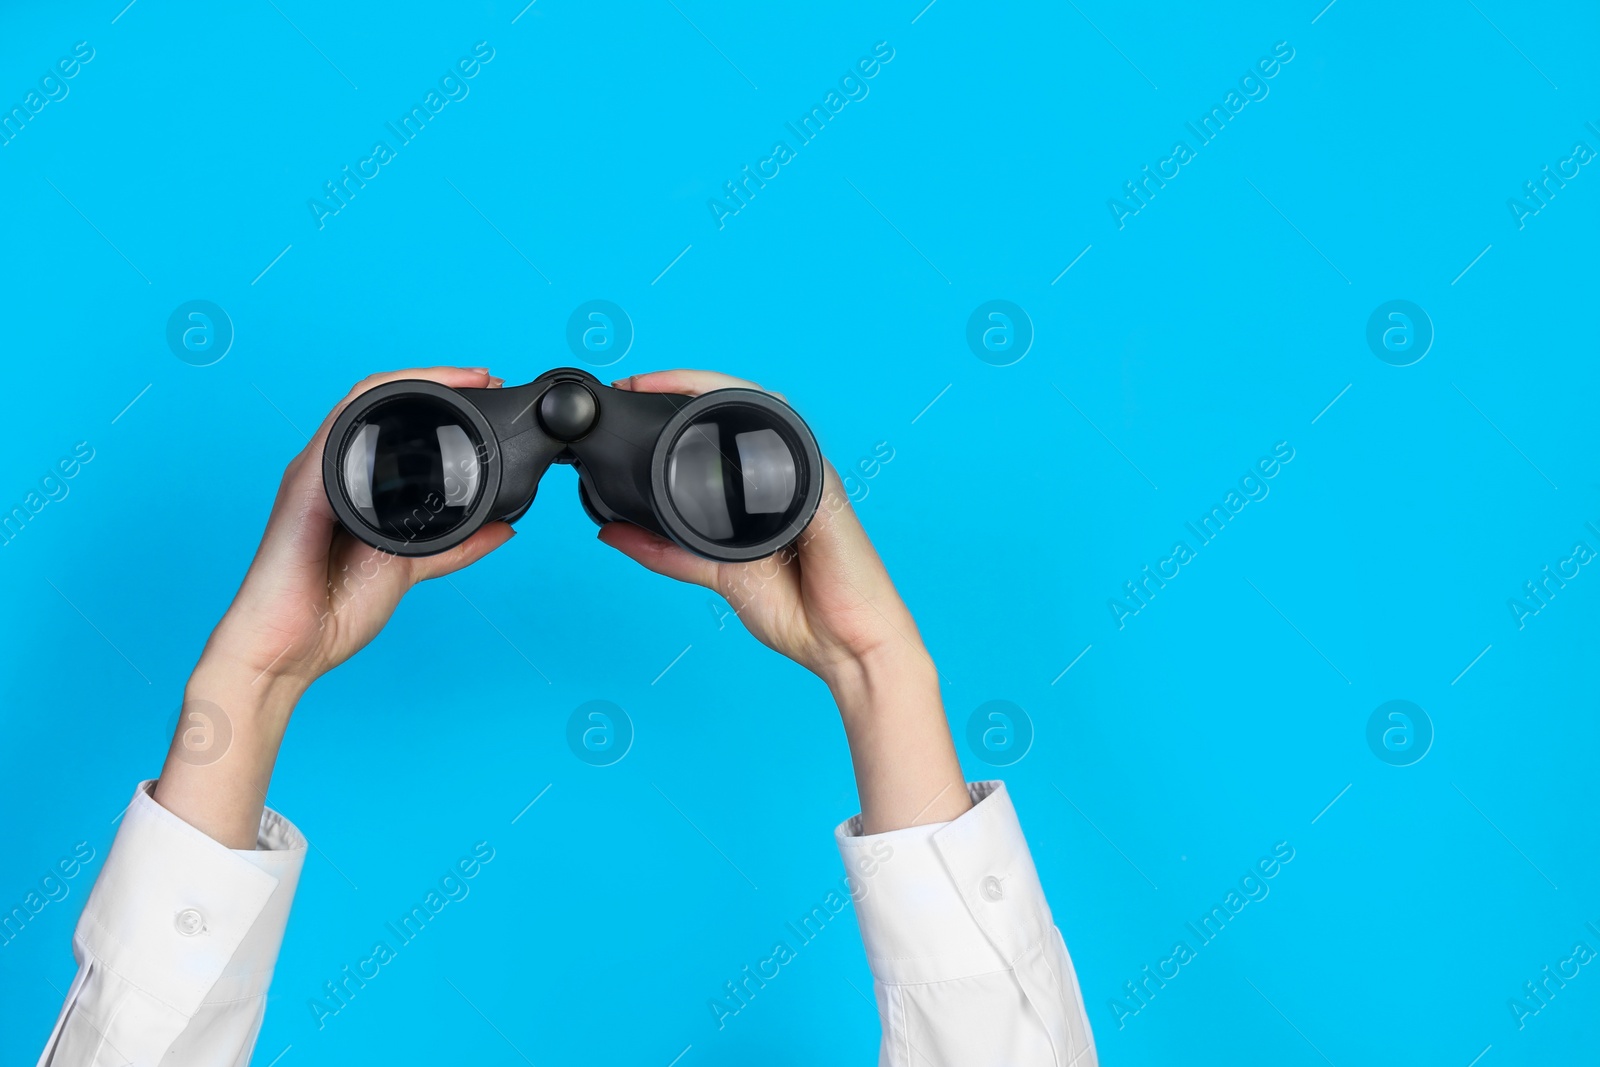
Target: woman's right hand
312,598
314,595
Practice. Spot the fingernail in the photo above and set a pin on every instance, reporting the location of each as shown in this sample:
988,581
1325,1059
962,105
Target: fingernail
479,370
623,383
495,383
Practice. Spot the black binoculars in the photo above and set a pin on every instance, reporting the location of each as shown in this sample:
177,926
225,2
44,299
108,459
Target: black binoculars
414,468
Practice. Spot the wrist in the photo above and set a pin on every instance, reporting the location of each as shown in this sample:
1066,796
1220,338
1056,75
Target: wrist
907,771
246,645
244,694
897,674
220,762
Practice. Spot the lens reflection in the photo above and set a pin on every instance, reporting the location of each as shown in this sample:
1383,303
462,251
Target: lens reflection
767,466
732,476
412,468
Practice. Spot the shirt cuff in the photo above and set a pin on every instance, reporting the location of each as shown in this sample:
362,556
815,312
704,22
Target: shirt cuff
945,901
183,917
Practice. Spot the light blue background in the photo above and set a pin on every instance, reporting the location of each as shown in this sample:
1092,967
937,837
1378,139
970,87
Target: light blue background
1222,319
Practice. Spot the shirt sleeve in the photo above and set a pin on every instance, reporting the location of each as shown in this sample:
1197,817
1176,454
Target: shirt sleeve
967,964
176,944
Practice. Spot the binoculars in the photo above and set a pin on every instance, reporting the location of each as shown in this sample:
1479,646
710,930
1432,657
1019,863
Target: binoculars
414,467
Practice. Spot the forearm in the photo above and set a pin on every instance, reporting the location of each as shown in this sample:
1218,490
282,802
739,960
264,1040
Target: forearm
905,762
216,774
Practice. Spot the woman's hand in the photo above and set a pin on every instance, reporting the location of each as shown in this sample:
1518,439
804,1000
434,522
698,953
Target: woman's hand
314,595
312,598
827,603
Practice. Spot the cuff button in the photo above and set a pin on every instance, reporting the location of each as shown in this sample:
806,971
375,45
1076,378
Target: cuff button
189,922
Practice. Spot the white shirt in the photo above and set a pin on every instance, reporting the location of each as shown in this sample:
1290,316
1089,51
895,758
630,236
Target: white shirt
178,940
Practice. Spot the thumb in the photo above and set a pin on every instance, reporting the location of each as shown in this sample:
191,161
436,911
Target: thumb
466,553
659,554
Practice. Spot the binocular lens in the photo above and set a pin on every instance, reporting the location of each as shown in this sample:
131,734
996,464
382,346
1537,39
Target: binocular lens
731,476
413,468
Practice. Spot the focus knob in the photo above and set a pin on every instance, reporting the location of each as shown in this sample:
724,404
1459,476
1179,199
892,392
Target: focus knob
568,410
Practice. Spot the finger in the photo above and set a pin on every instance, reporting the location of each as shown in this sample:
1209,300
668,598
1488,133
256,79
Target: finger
658,554
465,554
687,382
454,377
